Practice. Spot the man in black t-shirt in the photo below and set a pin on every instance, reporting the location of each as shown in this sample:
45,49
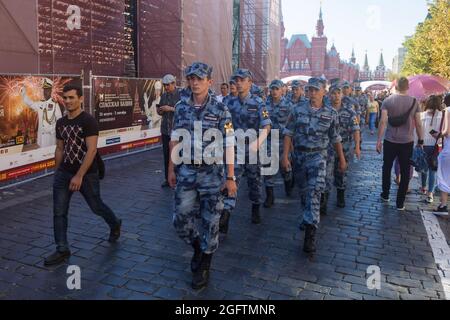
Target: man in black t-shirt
75,156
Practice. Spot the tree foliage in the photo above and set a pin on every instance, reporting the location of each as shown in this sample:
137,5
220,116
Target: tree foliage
428,50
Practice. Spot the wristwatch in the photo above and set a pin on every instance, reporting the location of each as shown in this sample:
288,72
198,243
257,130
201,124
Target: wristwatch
233,178
420,142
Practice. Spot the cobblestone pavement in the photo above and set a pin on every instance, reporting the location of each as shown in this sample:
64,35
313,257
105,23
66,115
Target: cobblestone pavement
253,262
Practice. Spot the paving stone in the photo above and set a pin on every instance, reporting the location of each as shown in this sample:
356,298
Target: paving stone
253,262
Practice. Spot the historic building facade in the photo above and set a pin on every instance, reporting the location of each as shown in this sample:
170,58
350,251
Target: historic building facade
302,56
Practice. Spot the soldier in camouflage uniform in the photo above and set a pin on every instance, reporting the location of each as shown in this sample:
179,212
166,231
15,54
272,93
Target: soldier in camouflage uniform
362,100
197,181
311,127
233,93
349,130
298,94
248,112
279,109
349,100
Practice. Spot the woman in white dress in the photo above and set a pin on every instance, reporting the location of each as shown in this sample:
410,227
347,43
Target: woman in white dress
443,173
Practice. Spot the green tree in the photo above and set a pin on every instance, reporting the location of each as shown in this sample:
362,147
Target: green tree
429,48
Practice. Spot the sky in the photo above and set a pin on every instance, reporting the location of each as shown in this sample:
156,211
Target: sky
371,25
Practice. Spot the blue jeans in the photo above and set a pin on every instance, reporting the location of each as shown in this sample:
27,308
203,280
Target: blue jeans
429,175
90,189
372,121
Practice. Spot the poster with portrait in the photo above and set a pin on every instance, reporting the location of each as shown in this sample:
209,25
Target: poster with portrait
125,109
30,105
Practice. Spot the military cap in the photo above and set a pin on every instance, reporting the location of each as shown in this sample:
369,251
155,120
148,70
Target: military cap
200,69
315,83
276,84
242,73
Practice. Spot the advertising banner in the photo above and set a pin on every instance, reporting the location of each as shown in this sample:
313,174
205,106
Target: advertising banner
125,109
29,108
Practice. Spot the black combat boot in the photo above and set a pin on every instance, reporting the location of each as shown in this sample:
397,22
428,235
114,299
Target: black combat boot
324,203
256,217
201,276
340,198
224,221
309,246
197,257
269,199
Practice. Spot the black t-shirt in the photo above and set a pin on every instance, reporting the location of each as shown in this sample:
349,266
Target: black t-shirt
74,133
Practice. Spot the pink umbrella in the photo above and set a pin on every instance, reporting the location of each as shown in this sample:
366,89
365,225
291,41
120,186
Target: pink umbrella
424,85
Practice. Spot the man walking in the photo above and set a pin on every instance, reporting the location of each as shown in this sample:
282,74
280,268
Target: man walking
166,109
400,113
279,109
349,130
311,127
248,113
198,184
77,170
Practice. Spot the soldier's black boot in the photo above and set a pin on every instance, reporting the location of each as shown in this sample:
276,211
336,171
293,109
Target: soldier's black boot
309,246
197,257
256,217
224,221
201,276
340,198
324,203
269,198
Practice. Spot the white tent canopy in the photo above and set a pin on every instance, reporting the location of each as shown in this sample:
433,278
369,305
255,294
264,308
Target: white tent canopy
301,78
367,84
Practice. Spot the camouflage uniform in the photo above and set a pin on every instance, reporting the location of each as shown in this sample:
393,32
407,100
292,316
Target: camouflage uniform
197,193
296,84
248,114
348,125
279,114
312,132
362,102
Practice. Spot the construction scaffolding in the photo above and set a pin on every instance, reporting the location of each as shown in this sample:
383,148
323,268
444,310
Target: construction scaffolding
259,38
174,34
140,38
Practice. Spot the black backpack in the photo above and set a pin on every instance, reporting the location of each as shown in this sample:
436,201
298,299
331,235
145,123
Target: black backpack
398,121
100,166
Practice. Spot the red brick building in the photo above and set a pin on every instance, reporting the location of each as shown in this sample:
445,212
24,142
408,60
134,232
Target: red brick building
301,56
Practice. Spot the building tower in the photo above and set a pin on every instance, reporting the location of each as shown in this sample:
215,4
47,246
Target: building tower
319,48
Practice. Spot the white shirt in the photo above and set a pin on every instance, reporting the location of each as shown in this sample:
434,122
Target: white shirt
430,123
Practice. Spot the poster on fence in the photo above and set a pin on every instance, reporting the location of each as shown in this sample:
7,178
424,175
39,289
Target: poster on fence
30,105
125,109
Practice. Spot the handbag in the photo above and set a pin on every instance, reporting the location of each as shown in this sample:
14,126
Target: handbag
398,121
433,163
100,166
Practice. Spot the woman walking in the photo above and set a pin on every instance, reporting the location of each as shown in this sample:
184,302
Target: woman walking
431,121
443,172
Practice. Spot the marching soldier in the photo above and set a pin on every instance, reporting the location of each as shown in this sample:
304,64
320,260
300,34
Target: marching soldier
198,185
311,127
349,130
279,109
298,93
248,113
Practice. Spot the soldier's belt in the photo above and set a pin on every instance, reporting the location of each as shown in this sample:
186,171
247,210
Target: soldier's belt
304,149
200,165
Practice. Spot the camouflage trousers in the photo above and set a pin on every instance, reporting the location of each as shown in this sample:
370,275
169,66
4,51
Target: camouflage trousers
309,171
335,177
198,205
254,182
269,181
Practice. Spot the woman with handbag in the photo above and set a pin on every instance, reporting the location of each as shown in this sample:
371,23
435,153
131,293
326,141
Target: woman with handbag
443,172
432,123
